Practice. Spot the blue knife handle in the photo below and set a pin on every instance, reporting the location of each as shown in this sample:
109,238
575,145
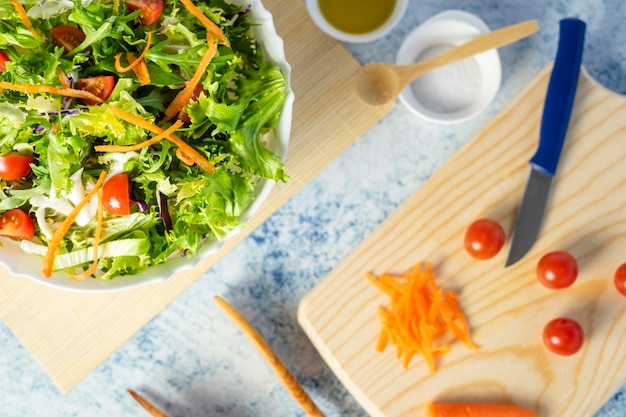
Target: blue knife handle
560,96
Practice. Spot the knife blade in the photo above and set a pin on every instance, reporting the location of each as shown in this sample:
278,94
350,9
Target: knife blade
554,122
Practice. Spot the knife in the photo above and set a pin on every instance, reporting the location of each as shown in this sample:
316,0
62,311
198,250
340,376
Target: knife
555,118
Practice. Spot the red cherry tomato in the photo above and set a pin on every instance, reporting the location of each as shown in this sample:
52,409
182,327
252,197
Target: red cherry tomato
620,279
150,9
68,37
17,225
13,167
100,86
116,195
557,270
484,239
3,58
563,336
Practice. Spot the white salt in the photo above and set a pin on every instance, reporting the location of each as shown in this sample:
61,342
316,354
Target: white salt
450,88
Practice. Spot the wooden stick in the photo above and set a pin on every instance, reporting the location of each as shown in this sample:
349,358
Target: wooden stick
277,365
155,412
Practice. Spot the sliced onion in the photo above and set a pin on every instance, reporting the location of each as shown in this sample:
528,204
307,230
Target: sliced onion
143,206
77,194
42,203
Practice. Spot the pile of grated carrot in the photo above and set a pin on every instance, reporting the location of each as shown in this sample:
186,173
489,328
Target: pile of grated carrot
419,314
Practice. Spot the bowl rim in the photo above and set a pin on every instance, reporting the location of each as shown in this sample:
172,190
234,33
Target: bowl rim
488,63
321,22
274,51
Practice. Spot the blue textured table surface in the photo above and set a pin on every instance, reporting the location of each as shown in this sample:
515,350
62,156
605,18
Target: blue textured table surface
191,360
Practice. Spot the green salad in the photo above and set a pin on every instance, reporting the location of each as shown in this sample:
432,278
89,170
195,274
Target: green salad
131,131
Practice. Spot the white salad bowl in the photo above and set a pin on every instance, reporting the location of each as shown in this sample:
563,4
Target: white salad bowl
21,264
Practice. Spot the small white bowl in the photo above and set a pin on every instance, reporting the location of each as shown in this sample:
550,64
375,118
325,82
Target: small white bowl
321,22
456,92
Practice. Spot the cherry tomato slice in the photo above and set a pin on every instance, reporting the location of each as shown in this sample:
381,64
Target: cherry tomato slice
563,336
557,270
17,225
3,58
68,37
100,86
13,167
484,239
620,279
116,195
150,9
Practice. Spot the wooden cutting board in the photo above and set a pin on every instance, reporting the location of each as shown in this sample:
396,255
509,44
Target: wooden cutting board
507,308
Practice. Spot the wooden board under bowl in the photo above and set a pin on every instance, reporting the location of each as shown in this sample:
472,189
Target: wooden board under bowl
507,308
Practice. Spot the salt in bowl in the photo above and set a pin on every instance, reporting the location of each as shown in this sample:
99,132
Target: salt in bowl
456,92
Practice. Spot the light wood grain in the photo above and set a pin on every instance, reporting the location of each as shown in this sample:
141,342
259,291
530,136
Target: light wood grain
507,308
70,334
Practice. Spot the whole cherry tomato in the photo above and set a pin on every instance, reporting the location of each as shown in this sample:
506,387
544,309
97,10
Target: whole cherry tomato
620,279
557,270
115,194
563,336
13,167
484,239
17,225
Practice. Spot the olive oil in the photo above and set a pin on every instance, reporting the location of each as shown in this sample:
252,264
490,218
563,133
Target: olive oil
356,16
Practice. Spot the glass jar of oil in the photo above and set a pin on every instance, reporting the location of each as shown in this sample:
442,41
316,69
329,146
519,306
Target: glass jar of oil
356,16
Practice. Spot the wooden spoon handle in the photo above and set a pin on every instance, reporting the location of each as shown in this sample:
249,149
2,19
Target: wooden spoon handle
277,365
496,39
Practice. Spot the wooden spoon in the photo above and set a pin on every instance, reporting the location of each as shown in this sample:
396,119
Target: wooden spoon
277,365
379,83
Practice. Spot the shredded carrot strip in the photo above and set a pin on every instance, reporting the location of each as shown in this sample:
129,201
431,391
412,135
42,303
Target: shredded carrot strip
25,20
184,95
380,285
383,339
34,89
180,154
393,283
63,79
135,62
140,70
63,228
202,162
419,313
129,148
208,23
96,240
